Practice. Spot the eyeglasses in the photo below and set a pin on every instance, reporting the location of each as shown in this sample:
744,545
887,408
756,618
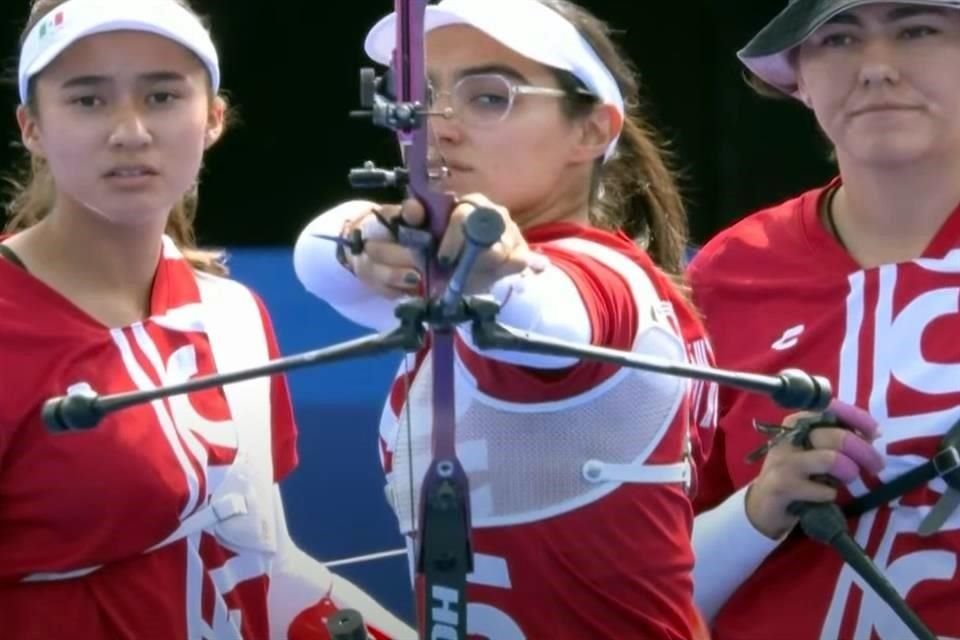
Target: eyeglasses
486,99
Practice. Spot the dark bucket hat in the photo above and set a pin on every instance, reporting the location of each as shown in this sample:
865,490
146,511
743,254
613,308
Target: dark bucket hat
766,54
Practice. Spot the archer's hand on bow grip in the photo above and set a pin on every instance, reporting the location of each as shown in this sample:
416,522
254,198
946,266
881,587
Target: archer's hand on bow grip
510,255
385,264
821,450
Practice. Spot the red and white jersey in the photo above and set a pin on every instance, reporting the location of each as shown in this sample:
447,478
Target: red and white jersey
560,553
777,291
164,520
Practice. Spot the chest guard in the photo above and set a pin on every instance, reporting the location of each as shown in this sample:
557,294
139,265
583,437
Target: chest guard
531,461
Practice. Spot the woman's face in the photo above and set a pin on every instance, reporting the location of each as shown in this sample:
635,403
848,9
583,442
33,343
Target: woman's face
122,119
525,161
882,81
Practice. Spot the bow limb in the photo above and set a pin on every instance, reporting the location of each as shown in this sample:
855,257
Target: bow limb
442,537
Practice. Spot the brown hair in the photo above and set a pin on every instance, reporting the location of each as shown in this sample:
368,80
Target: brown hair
33,191
636,189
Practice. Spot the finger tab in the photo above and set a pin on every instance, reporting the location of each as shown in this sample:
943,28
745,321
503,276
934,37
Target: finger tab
856,418
862,453
844,469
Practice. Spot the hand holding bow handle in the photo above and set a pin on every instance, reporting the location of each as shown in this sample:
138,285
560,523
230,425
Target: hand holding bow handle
823,520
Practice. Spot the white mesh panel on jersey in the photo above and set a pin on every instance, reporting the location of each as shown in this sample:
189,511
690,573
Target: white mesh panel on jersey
525,461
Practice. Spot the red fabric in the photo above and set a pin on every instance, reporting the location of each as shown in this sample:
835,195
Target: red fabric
618,567
613,322
103,496
311,623
778,291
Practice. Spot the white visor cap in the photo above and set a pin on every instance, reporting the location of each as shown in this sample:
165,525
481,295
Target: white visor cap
76,19
528,27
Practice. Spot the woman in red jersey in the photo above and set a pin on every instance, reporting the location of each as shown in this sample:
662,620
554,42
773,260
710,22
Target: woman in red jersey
539,122
857,280
163,521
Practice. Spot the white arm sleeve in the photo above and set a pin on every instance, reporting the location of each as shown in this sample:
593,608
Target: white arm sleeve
298,582
316,266
547,303
728,549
